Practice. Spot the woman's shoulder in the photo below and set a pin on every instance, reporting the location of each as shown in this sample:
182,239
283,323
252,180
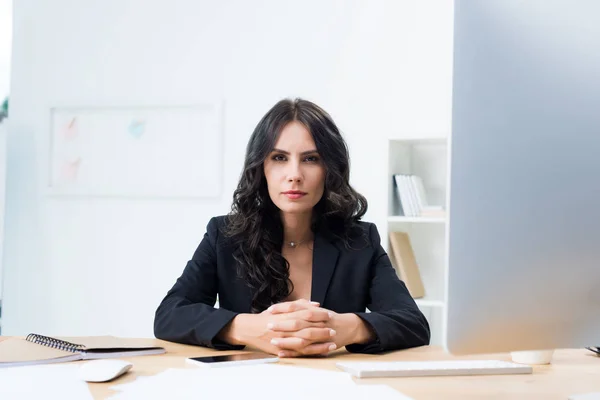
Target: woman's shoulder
217,222
361,235
362,228
216,228
216,232
369,231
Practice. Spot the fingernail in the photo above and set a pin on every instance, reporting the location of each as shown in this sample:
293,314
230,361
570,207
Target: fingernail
274,342
270,309
330,314
316,303
332,347
270,325
281,354
332,332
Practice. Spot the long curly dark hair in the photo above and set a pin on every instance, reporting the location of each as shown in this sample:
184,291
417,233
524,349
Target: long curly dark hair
254,222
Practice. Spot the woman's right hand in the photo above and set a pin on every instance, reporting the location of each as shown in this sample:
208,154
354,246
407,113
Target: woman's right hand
306,323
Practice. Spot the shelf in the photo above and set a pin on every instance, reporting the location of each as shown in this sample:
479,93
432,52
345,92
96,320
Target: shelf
437,140
425,302
426,158
426,220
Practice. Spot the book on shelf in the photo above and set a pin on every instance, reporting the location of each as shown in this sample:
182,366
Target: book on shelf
404,260
38,349
412,196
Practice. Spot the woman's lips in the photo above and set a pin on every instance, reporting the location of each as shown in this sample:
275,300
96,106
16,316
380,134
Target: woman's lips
294,194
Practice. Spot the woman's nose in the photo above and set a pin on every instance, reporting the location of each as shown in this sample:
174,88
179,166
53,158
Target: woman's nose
294,174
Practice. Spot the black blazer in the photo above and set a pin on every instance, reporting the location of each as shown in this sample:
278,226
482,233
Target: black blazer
343,280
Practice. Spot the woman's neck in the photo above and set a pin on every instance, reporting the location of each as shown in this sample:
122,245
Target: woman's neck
296,227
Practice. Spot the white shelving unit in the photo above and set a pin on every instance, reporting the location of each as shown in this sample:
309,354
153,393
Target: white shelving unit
427,158
421,220
3,132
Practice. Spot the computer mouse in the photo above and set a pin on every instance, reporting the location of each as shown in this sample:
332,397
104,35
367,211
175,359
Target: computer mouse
103,370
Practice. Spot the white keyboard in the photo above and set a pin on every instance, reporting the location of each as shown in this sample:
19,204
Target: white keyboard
364,369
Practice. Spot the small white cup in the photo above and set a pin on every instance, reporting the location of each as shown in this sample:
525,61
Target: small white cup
533,357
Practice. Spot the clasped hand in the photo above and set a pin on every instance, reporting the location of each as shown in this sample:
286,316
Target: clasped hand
299,328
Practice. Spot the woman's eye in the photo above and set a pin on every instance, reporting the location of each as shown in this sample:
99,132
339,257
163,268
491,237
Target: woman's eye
311,159
279,157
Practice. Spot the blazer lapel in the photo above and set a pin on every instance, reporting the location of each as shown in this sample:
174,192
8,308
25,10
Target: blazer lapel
325,256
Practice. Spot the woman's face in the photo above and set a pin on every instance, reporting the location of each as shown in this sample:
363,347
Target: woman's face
294,171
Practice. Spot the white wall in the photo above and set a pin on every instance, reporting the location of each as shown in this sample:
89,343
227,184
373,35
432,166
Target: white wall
3,133
5,46
95,266
5,50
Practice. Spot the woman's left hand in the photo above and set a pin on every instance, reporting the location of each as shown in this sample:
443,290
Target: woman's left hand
348,328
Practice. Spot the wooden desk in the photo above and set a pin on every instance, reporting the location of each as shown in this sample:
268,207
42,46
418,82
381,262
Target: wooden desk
572,371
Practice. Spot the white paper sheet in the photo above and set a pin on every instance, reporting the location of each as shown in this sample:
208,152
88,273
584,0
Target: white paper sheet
43,382
585,396
253,382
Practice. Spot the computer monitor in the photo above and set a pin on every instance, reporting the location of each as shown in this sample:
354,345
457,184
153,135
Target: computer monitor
524,177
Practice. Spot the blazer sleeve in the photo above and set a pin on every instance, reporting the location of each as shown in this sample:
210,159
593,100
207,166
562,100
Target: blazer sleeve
395,318
187,313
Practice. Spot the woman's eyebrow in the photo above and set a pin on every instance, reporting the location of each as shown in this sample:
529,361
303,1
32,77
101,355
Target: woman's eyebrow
303,153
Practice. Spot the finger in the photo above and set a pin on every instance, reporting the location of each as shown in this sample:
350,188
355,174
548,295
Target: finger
303,346
281,308
312,315
293,325
300,344
316,334
288,354
318,348
307,302
290,343
290,306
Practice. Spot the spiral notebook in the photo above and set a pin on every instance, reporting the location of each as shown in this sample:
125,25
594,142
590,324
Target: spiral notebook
595,349
39,349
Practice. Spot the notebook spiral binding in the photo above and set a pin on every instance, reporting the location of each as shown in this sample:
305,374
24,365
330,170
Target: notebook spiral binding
54,343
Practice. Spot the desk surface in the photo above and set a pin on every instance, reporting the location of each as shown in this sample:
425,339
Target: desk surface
572,371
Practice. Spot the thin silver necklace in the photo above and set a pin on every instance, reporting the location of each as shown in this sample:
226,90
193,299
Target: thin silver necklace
294,244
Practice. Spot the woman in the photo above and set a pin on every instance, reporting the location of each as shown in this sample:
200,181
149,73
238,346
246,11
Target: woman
293,266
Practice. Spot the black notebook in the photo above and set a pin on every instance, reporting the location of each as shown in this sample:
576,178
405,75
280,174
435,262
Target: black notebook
39,349
594,349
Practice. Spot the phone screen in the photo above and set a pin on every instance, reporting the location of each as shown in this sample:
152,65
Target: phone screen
234,357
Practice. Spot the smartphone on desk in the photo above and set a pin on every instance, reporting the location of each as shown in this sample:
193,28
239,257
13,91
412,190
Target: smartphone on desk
233,359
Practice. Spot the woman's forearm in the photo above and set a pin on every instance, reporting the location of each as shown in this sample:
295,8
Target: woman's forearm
236,331
357,331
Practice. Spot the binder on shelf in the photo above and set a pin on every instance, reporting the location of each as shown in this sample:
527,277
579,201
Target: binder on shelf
405,262
403,196
420,193
412,197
